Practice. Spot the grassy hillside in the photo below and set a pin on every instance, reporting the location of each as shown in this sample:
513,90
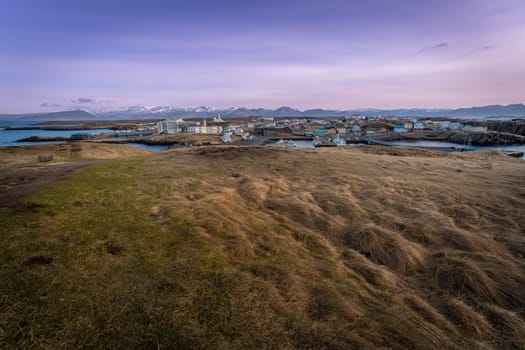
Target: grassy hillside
68,151
238,248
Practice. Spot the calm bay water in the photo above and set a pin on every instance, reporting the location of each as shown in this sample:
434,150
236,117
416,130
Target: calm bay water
154,148
300,144
425,144
434,144
9,137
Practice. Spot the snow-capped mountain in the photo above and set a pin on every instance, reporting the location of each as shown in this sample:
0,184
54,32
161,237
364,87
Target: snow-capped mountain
140,111
144,112
161,112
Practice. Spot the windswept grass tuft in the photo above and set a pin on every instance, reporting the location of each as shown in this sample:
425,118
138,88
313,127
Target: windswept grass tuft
461,277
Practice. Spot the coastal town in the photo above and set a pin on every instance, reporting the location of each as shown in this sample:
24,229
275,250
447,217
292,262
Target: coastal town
323,132
356,125
357,129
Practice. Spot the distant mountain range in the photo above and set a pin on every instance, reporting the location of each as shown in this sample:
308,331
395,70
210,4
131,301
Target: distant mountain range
159,112
66,115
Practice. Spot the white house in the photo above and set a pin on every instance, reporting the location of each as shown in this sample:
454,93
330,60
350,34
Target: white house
171,126
475,128
226,137
399,128
419,126
174,126
203,129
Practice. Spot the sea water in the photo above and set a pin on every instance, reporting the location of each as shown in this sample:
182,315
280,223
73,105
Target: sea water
9,137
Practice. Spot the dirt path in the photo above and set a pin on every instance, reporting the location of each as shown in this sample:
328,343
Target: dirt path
19,182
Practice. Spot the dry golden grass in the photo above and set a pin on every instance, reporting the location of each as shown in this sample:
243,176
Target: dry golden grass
27,155
235,248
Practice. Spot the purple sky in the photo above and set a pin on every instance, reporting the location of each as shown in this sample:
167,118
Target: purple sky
343,54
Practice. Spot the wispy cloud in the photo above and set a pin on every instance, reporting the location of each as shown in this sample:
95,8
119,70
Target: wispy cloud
50,105
439,46
84,103
485,48
83,100
89,101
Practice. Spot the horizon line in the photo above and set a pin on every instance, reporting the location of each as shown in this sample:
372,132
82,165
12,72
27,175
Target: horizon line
123,109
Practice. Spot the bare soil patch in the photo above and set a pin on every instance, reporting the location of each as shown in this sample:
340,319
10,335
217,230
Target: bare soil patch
19,182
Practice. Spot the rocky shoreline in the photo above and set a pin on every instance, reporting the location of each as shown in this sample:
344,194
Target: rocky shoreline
490,138
45,139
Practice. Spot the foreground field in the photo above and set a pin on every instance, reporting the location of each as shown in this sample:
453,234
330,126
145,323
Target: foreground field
21,173
228,247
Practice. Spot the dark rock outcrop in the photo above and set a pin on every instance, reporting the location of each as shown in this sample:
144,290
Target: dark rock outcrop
489,138
509,127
